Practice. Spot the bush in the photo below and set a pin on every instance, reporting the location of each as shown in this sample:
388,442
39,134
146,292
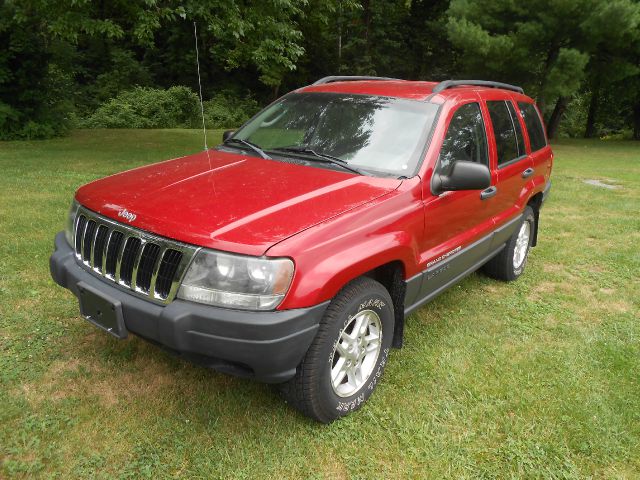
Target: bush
176,107
226,110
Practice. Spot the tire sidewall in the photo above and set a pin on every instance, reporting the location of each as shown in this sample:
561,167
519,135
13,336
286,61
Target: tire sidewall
380,303
528,217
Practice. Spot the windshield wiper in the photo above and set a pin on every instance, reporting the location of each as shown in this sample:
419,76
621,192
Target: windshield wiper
320,157
250,145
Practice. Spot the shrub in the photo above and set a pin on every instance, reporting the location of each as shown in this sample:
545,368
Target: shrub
226,110
176,107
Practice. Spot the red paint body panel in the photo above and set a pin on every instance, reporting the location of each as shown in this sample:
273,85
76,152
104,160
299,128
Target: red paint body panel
397,88
335,225
230,202
343,248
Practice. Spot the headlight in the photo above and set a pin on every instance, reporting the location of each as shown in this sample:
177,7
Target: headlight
237,281
71,218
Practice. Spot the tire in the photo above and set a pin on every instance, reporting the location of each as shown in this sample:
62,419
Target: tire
510,263
312,391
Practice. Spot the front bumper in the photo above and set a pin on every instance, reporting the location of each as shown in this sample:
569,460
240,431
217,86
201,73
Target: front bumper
267,346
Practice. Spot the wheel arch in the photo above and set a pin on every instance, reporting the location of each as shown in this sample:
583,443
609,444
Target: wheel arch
392,276
535,202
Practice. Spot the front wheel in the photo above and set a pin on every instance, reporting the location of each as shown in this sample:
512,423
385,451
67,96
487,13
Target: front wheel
348,355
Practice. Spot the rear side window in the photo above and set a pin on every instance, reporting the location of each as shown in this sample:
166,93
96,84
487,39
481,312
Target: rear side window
518,128
534,125
466,139
508,134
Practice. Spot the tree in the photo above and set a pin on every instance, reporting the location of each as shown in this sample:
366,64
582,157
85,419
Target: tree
261,35
36,73
611,58
426,44
62,59
539,44
62,52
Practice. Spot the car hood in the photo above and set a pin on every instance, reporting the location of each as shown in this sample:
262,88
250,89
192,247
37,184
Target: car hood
228,201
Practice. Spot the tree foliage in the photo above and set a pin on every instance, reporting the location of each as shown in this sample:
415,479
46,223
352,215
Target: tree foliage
552,47
66,62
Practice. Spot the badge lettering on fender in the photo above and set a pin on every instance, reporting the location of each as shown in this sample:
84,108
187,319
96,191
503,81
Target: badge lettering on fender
444,255
438,271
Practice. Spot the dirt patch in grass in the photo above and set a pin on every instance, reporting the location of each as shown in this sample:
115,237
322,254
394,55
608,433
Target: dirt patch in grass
75,378
553,268
545,288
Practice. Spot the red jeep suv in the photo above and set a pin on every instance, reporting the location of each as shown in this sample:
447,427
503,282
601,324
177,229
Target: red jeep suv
293,251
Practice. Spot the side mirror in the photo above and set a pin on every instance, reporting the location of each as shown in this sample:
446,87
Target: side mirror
227,135
464,176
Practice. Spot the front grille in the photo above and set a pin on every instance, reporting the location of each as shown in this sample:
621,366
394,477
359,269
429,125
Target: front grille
135,260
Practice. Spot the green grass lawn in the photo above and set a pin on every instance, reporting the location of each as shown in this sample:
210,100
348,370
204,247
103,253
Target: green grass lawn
539,378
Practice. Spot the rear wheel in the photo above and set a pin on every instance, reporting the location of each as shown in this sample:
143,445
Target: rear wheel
348,355
509,264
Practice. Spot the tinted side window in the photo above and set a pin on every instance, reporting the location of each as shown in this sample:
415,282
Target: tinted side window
504,131
466,139
516,124
534,126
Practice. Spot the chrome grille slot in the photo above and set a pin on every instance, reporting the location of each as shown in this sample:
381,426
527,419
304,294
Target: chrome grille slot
128,259
168,266
145,267
87,241
99,246
134,260
80,225
115,240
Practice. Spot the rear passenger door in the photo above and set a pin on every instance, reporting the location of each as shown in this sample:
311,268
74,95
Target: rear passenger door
513,164
540,152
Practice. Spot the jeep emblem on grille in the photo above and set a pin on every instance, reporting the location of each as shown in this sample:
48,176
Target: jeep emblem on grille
128,215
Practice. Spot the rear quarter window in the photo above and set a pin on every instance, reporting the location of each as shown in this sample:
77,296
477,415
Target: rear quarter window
509,143
516,125
534,125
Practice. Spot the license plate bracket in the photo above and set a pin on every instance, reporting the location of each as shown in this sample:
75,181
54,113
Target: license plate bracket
102,310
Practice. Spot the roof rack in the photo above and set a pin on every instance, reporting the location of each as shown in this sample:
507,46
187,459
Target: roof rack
478,83
348,78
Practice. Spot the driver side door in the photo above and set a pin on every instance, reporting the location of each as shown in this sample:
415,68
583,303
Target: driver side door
458,224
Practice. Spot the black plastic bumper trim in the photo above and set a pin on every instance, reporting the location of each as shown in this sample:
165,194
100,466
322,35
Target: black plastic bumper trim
545,192
267,346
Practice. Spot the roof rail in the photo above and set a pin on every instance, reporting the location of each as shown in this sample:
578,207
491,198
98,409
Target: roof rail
478,83
348,78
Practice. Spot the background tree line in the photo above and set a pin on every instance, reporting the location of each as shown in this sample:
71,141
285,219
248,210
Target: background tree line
91,63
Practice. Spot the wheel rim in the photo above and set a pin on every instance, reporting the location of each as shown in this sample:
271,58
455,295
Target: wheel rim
356,353
522,244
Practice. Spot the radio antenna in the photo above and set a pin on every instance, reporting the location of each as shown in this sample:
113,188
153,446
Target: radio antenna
204,127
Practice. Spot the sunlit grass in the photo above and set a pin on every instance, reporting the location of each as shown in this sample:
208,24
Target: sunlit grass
538,378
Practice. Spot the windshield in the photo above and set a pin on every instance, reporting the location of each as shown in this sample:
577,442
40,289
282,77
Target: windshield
378,134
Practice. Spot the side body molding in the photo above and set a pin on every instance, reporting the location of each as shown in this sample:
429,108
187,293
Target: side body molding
437,278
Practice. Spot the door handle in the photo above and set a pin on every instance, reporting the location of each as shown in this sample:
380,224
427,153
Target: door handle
527,173
488,193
